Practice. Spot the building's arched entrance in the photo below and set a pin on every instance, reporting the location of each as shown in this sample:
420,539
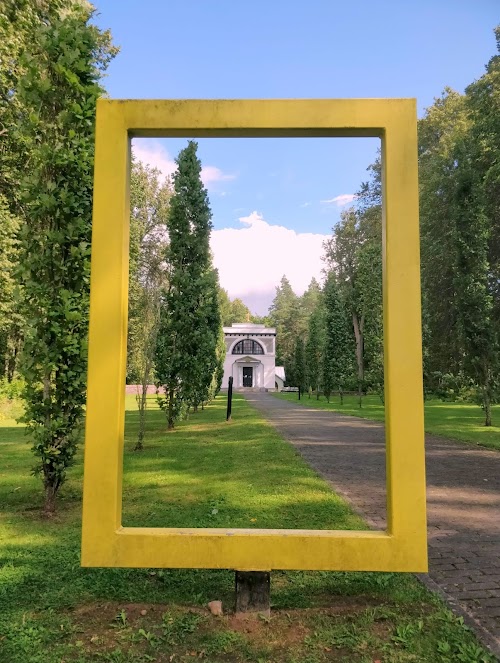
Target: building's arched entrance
248,373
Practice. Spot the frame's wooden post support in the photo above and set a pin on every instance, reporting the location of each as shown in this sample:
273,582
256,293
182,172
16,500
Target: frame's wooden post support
229,398
253,592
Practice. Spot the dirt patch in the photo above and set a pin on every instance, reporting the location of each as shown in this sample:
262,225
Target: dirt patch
165,632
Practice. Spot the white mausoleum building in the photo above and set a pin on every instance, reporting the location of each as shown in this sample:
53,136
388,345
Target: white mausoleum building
251,357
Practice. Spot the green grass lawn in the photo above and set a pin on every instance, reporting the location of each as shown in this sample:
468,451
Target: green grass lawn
206,473
459,421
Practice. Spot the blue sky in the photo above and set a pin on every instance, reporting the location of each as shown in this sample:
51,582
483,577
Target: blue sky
278,49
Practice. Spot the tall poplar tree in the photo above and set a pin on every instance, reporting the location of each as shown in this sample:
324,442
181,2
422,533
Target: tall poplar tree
58,88
189,331
284,315
299,375
21,25
337,362
315,347
9,225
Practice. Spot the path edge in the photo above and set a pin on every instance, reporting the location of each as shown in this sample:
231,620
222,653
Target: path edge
483,635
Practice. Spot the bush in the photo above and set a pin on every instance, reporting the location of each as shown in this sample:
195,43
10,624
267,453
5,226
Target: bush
11,390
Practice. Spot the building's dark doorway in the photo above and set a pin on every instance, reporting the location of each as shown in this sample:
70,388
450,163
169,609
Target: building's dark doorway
247,376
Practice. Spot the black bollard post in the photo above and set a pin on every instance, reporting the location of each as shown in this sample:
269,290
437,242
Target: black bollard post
299,392
229,398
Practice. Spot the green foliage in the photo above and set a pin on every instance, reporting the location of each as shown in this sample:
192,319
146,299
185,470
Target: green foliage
9,314
11,389
354,255
58,90
290,314
337,351
9,226
315,347
149,204
439,130
298,373
187,355
284,316
460,201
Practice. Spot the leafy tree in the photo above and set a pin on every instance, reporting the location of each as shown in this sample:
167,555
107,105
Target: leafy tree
233,311
225,308
8,256
149,202
58,90
240,311
477,196
205,379
315,347
20,26
337,364
460,201
284,315
444,124
309,303
369,286
354,255
299,365
474,302
189,331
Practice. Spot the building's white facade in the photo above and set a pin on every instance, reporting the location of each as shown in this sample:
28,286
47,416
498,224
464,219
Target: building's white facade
250,357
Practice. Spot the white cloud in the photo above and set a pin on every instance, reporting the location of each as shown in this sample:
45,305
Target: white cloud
340,201
251,260
305,205
155,155
211,174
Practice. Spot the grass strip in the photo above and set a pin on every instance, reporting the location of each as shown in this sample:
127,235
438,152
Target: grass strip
456,421
207,473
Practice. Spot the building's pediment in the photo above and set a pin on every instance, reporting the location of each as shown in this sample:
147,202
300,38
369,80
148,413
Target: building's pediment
247,360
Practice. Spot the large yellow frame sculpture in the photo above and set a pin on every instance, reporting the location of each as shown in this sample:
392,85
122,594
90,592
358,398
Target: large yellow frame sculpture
403,547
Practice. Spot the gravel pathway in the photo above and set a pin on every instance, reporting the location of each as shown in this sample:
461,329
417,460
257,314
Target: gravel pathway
463,500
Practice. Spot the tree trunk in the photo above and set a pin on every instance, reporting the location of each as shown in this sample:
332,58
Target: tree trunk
171,418
381,395
50,487
487,406
341,394
142,402
358,325
358,333
49,507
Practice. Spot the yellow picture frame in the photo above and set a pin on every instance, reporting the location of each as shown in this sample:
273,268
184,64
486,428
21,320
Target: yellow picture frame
403,546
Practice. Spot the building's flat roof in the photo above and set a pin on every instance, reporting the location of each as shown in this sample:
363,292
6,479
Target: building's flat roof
248,328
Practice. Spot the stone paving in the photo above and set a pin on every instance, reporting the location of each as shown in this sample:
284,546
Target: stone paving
463,500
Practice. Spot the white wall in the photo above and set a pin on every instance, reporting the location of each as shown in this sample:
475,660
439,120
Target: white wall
263,365
279,382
